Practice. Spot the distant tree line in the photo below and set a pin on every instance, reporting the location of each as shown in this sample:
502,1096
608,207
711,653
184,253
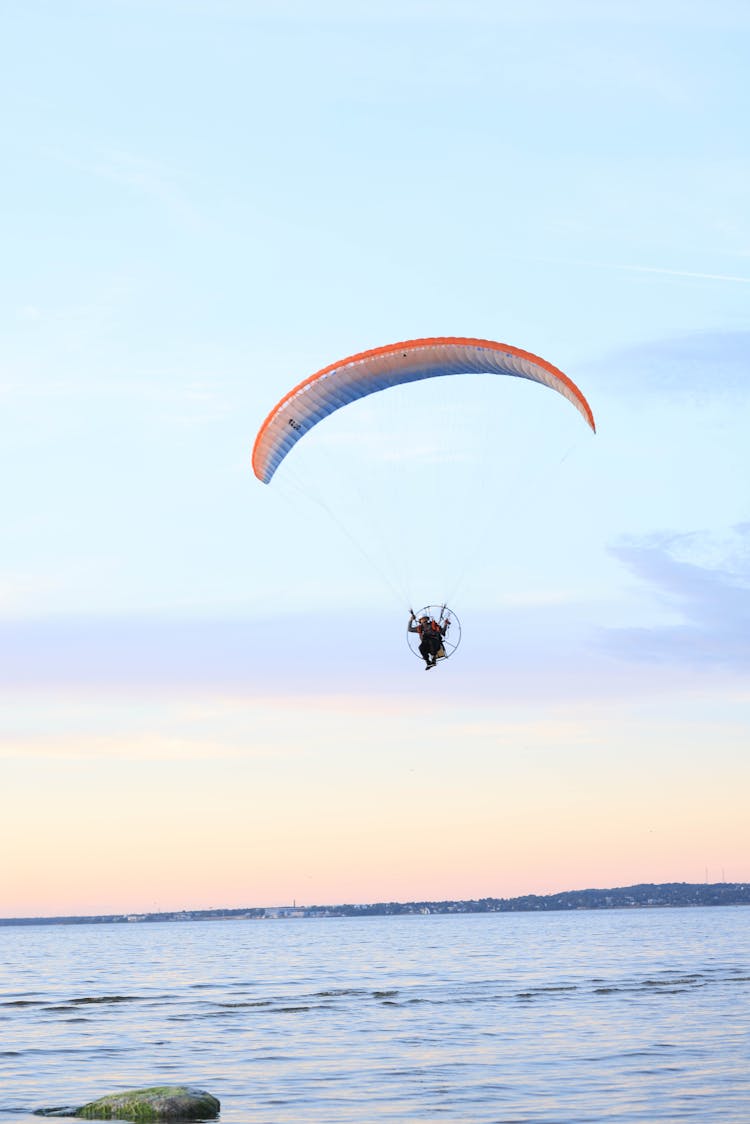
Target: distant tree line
644,896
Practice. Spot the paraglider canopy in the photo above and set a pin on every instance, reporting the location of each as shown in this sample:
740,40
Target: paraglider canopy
371,371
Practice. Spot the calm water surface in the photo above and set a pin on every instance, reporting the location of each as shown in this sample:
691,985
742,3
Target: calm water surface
528,1018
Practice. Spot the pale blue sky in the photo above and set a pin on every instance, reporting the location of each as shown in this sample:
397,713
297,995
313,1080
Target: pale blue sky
203,203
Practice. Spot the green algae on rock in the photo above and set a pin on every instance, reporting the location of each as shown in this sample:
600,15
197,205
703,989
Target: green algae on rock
162,1102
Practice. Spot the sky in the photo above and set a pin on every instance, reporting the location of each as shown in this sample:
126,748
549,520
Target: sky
206,695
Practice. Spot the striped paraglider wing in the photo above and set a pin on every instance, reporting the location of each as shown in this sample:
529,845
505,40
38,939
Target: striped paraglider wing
371,371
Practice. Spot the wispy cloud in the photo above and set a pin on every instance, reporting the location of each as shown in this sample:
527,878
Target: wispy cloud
143,175
147,747
711,600
708,361
19,593
515,654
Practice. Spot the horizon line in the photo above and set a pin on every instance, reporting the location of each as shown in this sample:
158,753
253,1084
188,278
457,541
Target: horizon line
225,911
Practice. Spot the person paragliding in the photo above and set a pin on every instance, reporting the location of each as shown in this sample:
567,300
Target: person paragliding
431,633
374,371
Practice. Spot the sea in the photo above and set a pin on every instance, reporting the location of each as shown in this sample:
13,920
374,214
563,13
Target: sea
509,1018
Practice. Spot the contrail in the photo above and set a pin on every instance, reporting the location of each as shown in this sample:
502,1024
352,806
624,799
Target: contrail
656,269
684,273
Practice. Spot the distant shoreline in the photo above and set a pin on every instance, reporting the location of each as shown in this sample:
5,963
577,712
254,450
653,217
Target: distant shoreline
643,896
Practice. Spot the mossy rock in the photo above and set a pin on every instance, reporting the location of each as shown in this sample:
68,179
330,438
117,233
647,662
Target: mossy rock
163,1102
167,1102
